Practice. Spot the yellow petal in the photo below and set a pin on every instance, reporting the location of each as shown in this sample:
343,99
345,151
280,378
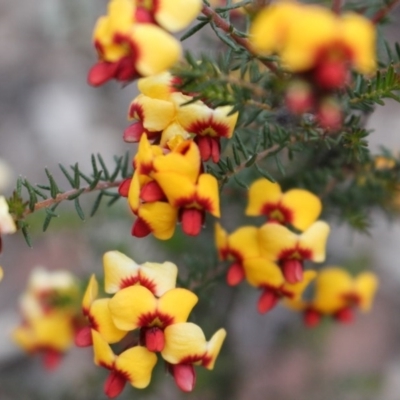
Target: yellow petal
330,287
163,276
244,242
178,188
7,224
171,132
207,194
137,364
91,293
262,272
262,192
1,273
177,303
103,355
305,207
157,50
161,217
314,239
269,29
364,49
297,289
178,14
183,341
221,241
129,305
213,348
103,322
24,337
156,114
315,28
156,86
275,239
117,268
365,286
134,192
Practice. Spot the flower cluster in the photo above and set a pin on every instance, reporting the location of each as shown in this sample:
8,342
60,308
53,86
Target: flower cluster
161,113
134,38
336,294
148,313
320,47
50,315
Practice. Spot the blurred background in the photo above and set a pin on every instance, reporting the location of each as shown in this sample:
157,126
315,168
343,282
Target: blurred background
49,115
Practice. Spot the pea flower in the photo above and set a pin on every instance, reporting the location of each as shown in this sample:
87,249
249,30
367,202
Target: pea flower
7,224
121,271
185,346
162,114
337,294
297,207
278,243
128,48
312,38
239,246
136,307
99,317
134,365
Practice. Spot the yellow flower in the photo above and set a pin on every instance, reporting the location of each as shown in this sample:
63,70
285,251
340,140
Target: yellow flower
129,49
99,317
313,38
7,224
134,365
136,307
120,272
185,346
297,207
280,244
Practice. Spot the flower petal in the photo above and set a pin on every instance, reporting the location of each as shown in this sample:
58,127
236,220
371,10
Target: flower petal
7,224
213,348
207,194
365,286
297,289
314,239
262,192
161,218
104,324
245,242
90,295
162,275
263,272
157,86
117,268
129,305
221,241
178,14
157,50
134,193
103,354
304,205
274,239
137,364
183,341
177,303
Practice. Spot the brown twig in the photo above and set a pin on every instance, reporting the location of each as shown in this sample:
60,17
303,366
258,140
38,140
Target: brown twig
379,15
64,196
230,30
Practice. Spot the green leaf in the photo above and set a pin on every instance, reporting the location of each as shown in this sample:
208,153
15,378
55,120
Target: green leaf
96,204
67,175
265,173
79,210
195,29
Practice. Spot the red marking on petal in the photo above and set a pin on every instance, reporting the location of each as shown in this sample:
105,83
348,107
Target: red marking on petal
144,16
296,253
292,270
114,384
154,339
134,132
155,319
83,337
51,359
235,274
184,376
209,127
140,228
192,221
151,192
267,301
275,212
345,315
138,279
123,188
311,318
101,72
